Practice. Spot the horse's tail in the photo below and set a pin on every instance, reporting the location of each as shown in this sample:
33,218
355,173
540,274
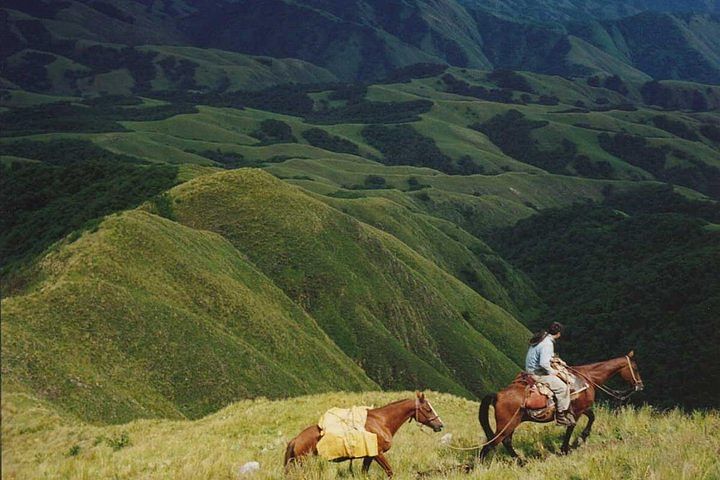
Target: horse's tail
289,452
484,414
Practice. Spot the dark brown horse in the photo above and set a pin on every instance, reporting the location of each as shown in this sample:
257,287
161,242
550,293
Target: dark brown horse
384,422
509,403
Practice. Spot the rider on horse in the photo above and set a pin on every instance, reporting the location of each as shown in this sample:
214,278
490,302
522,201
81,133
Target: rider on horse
537,364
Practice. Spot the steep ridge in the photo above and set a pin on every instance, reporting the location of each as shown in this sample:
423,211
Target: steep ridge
407,322
148,318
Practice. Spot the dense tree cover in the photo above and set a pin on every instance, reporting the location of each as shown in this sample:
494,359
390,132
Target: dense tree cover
510,80
63,151
638,151
637,271
30,71
99,115
227,160
711,132
37,8
41,202
461,87
403,145
351,92
512,132
102,59
274,131
675,127
416,70
180,72
613,82
112,11
320,138
367,111
656,93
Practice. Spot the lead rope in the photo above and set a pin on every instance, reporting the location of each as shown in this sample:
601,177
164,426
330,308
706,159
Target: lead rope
478,447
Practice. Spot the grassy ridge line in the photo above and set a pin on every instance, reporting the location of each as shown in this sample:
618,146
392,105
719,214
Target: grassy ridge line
406,320
445,244
146,318
38,442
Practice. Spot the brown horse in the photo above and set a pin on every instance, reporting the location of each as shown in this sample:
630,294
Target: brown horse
509,403
384,422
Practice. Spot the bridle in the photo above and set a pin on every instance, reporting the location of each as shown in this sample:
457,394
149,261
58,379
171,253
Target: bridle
616,394
636,383
417,411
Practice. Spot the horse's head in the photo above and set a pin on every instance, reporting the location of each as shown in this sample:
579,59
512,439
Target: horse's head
425,413
630,372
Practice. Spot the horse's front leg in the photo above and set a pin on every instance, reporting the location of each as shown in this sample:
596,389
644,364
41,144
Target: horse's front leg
382,461
591,419
367,461
565,449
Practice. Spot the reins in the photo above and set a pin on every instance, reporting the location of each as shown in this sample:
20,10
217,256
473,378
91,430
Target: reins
616,394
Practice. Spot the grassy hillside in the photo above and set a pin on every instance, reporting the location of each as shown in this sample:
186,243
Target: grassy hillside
398,314
147,318
39,442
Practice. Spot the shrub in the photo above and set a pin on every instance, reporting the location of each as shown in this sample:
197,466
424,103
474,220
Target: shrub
510,80
119,441
374,182
274,131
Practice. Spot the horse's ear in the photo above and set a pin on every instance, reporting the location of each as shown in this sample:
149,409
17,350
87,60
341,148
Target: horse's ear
417,394
422,396
631,354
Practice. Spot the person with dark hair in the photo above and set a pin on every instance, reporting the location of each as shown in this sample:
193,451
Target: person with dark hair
537,364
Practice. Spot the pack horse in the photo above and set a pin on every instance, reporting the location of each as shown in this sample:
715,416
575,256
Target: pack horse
382,423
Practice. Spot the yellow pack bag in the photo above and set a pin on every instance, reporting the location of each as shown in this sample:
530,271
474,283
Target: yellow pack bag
344,435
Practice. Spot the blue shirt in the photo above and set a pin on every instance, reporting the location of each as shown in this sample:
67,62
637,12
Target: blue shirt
537,360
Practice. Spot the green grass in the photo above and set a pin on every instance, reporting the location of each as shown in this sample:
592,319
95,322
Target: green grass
147,318
401,316
40,442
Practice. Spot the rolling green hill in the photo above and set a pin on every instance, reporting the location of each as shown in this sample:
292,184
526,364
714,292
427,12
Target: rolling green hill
195,324
399,315
147,318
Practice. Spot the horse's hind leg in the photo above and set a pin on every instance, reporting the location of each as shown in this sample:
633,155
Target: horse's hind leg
507,443
384,464
367,461
485,451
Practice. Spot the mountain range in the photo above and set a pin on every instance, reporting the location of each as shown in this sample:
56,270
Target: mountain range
210,201
365,39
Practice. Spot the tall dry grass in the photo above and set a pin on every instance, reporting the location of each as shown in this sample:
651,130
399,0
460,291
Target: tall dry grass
39,442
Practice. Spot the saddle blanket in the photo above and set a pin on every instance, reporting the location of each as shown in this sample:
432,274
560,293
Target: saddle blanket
344,435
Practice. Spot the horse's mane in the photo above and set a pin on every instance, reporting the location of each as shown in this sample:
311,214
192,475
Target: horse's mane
590,366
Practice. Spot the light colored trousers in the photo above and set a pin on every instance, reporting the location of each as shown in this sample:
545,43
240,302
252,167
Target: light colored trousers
559,388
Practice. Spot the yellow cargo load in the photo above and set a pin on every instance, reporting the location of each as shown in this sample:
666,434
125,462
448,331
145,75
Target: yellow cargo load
344,435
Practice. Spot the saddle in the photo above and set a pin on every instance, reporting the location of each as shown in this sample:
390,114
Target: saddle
539,397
